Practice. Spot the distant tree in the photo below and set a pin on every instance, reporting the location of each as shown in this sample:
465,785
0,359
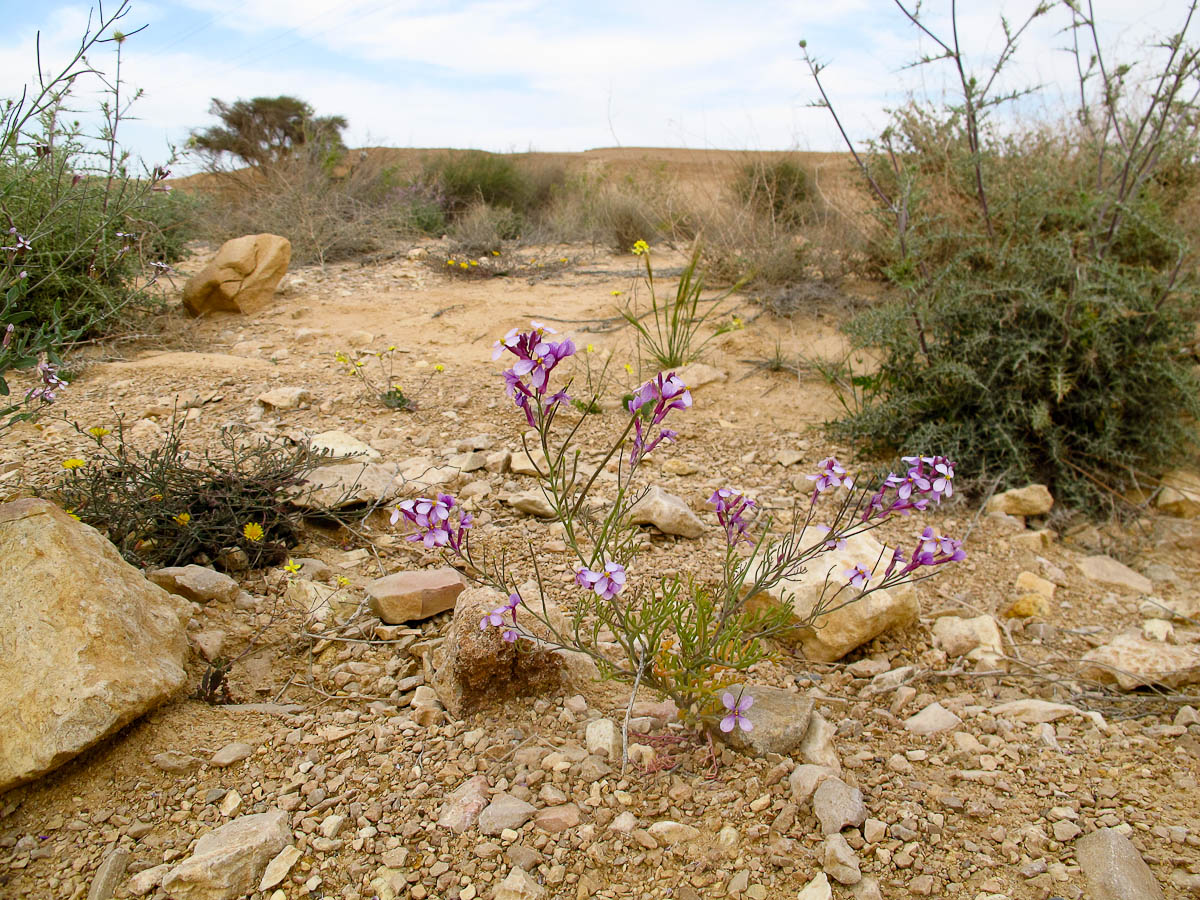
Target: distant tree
266,130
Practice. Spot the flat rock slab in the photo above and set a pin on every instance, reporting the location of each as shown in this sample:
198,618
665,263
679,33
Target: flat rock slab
197,583
1132,662
410,596
1031,500
229,862
666,512
1107,571
932,719
780,721
1114,869
87,645
340,445
347,484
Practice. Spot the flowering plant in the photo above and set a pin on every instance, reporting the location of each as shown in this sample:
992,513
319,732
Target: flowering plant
687,638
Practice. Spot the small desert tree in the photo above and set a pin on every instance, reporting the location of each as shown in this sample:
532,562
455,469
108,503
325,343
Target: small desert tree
266,130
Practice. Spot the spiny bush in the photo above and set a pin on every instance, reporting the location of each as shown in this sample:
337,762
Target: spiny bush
469,177
1042,322
776,189
166,506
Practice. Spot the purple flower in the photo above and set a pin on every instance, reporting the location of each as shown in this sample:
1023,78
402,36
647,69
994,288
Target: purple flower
929,478
530,374
834,543
432,521
496,618
7,339
607,583
731,507
934,550
48,372
831,474
668,392
737,707
858,576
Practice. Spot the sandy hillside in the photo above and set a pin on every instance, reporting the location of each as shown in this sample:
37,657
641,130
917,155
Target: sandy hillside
992,807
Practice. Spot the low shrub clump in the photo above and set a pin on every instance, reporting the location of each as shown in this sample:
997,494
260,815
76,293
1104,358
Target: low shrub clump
166,506
1044,300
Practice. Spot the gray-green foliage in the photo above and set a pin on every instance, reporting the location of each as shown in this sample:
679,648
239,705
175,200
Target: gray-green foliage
1044,300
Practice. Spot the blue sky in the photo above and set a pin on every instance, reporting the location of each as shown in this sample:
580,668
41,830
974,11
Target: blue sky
528,74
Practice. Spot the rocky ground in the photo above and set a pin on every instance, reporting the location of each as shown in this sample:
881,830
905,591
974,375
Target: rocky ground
969,754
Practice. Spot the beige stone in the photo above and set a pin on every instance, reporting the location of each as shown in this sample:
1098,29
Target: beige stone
959,637
229,862
346,484
409,596
87,643
666,512
1132,662
241,278
1027,606
852,625
1107,571
1031,500
196,583
1180,494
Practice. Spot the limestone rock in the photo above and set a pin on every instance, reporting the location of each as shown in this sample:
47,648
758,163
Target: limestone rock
338,445
475,665
462,808
285,397
1180,494
1132,662
851,626
1031,500
961,637
806,778
229,862
241,278
231,753
932,719
519,885
604,739
817,747
147,880
837,805
817,889
197,583
780,719
278,868
673,832
346,484
505,811
556,819
532,503
840,860
409,596
527,462
1032,711
1113,867
87,644
1107,571
666,512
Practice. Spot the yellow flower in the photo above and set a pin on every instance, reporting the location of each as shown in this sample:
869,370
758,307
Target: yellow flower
495,253
341,357
157,498
74,515
98,431
73,463
562,259
591,348
640,247
342,581
474,262
616,293
292,567
449,262
182,519
358,364
629,368
439,368
391,348
463,265
252,531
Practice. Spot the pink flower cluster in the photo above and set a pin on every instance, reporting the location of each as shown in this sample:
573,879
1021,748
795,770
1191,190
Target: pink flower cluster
432,519
667,392
529,378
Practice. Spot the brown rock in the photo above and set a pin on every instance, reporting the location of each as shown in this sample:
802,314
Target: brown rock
1180,494
476,666
1114,869
780,719
1031,500
461,809
557,818
241,278
87,645
197,583
666,512
409,596
228,862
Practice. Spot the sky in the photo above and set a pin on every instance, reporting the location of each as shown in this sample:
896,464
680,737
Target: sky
516,75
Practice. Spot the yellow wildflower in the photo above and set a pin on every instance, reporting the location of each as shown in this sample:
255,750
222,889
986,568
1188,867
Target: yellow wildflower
463,265
342,581
439,368
640,248
252,531
495,253
182,519
391,348
157,498
292,567
74,515
474,262
616,293
629,368
73,463
591,348
98,431
449,262
562,259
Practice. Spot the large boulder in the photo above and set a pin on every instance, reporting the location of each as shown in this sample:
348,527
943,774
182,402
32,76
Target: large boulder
834,634
87,643
476,666
241,278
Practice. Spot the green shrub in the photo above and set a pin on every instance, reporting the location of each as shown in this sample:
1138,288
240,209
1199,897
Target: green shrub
165,506
776,189
468,177
1041,327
